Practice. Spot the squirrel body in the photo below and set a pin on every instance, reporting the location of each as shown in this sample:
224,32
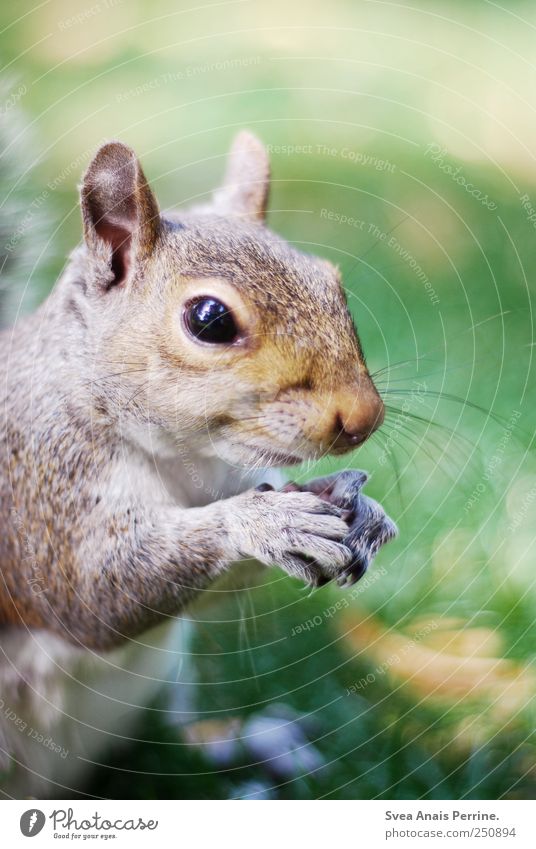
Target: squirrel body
179,358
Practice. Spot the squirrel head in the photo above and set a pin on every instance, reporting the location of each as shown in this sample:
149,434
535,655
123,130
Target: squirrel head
207,329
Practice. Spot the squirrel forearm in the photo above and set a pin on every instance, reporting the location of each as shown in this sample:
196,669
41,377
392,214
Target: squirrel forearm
133,570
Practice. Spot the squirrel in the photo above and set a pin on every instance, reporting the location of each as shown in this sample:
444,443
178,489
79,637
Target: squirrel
180,359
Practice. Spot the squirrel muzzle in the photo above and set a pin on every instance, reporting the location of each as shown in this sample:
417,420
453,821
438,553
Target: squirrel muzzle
349,416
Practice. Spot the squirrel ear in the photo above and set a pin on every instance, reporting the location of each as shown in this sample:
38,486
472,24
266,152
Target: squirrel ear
119,211
247,180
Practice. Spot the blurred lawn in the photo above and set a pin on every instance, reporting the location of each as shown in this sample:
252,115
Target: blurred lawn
418,126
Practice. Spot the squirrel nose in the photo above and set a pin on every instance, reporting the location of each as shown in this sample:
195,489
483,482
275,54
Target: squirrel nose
355,422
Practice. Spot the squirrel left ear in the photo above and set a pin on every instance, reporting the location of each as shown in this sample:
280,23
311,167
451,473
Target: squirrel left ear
119,210
246,185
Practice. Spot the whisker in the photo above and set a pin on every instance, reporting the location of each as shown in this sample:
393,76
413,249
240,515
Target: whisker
136,393
449,396
114,374
416,360
442,449
373,246
414,440
120,362
377,437
397,364
459,448
440,372
401,413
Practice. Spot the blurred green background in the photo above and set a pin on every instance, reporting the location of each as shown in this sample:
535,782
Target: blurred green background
403,147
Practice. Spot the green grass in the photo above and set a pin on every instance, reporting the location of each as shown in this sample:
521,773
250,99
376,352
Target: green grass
376,744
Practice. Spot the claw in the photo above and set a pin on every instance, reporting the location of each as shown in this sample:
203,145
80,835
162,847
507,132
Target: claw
322,580
369,526
358,567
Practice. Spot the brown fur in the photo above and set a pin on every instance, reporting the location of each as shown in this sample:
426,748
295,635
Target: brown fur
102,386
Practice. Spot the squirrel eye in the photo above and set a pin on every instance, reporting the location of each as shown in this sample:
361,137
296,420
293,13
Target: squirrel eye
211,321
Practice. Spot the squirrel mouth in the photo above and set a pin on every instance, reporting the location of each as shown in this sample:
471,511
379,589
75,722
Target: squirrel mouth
278,458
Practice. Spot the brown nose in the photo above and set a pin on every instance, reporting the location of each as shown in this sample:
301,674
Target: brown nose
356,417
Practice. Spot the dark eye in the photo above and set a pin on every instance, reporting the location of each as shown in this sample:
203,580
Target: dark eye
210,321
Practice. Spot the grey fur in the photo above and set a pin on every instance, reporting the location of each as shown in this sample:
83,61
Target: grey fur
110,414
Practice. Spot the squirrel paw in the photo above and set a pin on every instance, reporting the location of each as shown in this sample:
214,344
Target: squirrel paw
298,531
368,526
